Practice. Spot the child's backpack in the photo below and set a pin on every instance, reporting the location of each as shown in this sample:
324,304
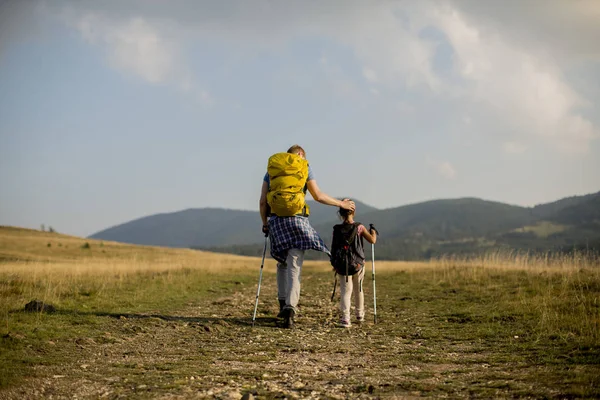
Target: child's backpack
345,258
288,174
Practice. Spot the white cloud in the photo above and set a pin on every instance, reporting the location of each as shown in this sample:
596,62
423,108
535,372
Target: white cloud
446,170
566,30
443,168
524,91
395,48
133,45
370,75
518,84
139,47
397,56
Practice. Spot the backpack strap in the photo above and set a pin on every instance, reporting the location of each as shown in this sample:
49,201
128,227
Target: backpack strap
354,232
350,242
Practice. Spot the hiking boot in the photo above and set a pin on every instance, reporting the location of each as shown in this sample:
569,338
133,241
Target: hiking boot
288,318
344,323
281,307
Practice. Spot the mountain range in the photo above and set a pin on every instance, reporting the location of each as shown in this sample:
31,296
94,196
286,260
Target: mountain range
410,232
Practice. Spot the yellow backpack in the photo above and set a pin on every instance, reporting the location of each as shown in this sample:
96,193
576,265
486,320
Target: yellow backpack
288,174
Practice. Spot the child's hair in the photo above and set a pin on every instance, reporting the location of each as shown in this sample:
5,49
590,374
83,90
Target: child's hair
343,213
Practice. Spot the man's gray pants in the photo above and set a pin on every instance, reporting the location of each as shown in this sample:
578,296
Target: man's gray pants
288,278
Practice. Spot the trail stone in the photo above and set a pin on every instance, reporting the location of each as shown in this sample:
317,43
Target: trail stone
13,336
298,385
248,396
233,395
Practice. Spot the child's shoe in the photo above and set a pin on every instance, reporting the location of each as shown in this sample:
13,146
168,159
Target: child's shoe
360,320
345,323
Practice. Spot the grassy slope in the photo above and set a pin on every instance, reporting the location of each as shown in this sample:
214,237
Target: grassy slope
144,322
86,278
20,244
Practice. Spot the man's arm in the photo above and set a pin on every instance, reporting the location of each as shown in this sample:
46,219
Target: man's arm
324,198
263,205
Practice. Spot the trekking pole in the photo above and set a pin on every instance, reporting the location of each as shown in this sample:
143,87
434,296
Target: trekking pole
334,284
374,290
262,264
371,227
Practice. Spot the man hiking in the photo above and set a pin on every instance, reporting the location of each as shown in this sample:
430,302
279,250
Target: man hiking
284,215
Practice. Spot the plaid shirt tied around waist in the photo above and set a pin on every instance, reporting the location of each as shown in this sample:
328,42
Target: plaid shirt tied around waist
293,233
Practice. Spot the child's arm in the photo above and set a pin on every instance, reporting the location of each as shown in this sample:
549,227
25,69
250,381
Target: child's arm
370,236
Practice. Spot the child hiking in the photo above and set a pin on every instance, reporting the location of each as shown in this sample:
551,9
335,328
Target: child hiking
348,260
284,215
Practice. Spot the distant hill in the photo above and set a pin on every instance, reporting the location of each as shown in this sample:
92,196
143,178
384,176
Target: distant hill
187,228
585,210
448,219
415,231
551,210
205,227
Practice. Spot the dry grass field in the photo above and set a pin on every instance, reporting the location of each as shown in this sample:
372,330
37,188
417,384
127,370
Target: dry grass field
150,322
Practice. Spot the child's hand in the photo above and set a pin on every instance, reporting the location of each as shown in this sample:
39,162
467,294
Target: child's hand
372,228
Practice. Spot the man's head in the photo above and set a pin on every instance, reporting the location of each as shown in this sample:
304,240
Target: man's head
297,149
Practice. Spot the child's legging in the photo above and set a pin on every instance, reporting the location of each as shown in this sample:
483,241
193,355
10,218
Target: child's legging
346,288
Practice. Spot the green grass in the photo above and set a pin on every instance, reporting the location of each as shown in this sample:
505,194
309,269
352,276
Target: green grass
29,339
149,327
458,332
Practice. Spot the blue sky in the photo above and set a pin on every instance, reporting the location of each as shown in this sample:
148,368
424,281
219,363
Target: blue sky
114,110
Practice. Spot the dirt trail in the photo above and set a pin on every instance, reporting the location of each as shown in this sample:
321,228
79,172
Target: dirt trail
210,350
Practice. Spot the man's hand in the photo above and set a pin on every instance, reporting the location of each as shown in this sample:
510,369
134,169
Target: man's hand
348,204
372,228
265,230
